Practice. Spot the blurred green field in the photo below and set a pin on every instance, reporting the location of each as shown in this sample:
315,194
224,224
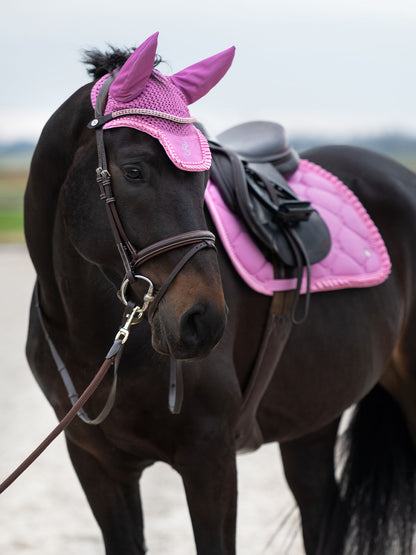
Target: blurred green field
408,161
12,186
13,177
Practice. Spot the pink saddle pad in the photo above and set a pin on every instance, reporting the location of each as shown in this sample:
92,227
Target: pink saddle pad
358,255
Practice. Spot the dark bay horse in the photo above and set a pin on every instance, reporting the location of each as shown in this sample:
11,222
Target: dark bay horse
356,346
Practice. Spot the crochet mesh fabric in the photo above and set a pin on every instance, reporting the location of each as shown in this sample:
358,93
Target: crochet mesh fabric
183,142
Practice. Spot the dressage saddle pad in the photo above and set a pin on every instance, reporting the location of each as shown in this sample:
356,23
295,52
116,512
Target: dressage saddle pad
357,257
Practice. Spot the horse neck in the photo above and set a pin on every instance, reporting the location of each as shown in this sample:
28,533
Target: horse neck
89,300
80,306
51,161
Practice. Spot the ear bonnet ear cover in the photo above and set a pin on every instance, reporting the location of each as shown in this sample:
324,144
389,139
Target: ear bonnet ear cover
163,101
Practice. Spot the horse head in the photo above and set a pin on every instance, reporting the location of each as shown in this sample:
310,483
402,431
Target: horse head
158,163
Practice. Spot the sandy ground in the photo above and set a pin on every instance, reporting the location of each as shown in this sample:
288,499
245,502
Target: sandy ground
45,512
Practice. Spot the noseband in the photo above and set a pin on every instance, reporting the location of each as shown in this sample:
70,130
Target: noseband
131,258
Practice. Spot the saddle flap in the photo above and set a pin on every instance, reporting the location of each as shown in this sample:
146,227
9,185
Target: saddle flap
281,218
281,223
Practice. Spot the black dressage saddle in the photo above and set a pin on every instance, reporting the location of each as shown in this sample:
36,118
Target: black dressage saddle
251,164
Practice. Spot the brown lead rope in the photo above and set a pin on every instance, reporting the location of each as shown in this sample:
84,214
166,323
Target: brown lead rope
111,358
98,378
65,376
131,259
176,379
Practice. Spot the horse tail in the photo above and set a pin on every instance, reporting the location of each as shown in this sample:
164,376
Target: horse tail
377,483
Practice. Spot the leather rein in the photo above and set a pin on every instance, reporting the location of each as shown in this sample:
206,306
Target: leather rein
133,313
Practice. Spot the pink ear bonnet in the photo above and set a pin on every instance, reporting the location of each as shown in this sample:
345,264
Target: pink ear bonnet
160,102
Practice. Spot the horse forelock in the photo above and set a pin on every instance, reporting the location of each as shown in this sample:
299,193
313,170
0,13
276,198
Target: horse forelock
102,63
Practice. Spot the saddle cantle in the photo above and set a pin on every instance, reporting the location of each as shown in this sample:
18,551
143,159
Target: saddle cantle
250,162
261,142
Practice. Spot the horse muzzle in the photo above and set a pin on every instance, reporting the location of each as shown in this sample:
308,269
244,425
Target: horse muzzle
192,335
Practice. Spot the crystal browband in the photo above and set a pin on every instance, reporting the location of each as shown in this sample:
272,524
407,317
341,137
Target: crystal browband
102,120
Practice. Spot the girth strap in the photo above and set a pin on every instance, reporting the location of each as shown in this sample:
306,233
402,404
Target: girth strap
275,336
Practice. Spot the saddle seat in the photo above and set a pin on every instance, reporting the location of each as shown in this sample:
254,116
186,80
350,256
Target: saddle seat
261,142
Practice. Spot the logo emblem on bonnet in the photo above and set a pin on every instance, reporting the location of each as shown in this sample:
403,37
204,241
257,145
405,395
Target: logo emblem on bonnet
186,149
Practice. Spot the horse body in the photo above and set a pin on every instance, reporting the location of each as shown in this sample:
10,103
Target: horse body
373,318
352,339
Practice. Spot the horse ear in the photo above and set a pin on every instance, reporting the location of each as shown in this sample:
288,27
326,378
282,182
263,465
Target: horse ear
135,72
196,80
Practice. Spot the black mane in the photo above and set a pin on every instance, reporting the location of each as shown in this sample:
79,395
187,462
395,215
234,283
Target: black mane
105,62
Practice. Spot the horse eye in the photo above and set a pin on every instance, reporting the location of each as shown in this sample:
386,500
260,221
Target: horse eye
132,173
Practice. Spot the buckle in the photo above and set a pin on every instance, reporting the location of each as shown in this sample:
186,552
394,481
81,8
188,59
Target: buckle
293,211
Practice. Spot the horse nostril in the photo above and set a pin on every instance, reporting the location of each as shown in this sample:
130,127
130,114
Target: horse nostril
201,325
192,325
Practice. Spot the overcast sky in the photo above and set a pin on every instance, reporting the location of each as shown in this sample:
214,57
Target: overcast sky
314,65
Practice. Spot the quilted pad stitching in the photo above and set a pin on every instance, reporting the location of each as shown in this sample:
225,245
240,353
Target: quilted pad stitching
358,256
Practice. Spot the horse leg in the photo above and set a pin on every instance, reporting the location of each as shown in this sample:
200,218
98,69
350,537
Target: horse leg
309,469
210,480
116,505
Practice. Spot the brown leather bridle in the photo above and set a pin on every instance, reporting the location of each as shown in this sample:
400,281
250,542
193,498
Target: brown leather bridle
130,257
